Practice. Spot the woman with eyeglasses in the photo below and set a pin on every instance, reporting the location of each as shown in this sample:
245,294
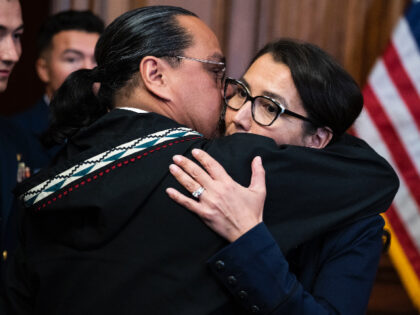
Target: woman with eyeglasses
297,95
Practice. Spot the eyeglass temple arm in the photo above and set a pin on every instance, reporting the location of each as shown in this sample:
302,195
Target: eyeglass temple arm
288,112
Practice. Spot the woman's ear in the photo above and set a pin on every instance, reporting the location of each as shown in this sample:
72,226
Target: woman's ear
319,139
153,72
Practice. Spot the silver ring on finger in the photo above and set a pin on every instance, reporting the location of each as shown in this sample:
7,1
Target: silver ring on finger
197,193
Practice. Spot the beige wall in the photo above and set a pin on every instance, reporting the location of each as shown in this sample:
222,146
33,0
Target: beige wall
353,31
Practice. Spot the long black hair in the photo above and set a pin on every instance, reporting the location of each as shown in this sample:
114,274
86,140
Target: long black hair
147,31
329,94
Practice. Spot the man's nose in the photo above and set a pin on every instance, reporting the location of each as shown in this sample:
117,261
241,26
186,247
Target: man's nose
89,64
243,117
9,51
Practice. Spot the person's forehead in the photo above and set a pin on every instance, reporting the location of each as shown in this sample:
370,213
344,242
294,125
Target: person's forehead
268,77
205,43
268,74
69,39
10,15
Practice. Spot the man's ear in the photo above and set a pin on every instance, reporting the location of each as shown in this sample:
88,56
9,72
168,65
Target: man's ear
319,139
153,72
42,69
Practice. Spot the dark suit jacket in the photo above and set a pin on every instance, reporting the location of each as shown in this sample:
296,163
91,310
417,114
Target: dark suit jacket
13,141
21,134
36,120
330,274
100,236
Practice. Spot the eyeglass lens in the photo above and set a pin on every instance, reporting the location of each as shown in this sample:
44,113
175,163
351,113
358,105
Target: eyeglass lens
264,110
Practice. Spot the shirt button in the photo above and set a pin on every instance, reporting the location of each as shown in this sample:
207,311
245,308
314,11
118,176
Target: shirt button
242,295
232,280
220,265
4,255
255,309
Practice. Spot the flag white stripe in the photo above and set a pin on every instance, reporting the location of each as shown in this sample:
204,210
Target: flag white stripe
396,111
404,204
408,51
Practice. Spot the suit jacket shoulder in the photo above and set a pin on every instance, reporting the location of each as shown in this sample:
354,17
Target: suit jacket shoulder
34,119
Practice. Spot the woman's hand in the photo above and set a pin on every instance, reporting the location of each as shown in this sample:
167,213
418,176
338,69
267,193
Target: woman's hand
225,206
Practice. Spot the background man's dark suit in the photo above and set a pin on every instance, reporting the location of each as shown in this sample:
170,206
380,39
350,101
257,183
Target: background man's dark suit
35,121
20,135
14,141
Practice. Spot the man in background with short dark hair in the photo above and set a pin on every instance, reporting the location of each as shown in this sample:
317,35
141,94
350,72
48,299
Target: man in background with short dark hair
66,43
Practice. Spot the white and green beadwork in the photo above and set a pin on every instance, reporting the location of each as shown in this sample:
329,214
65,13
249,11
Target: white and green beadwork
98,161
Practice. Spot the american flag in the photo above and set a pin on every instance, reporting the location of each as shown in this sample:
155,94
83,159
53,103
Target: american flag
390,122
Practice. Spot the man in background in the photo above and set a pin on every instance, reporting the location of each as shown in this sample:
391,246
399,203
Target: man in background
11,30
66,43
15,143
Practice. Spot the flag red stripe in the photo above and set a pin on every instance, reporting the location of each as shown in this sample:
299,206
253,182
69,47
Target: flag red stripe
404,239
402,82
394,144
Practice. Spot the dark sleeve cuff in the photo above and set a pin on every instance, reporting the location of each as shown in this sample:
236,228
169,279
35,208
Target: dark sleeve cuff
254,270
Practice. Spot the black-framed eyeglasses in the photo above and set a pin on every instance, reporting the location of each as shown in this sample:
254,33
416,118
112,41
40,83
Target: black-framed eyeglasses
219,71
264,109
